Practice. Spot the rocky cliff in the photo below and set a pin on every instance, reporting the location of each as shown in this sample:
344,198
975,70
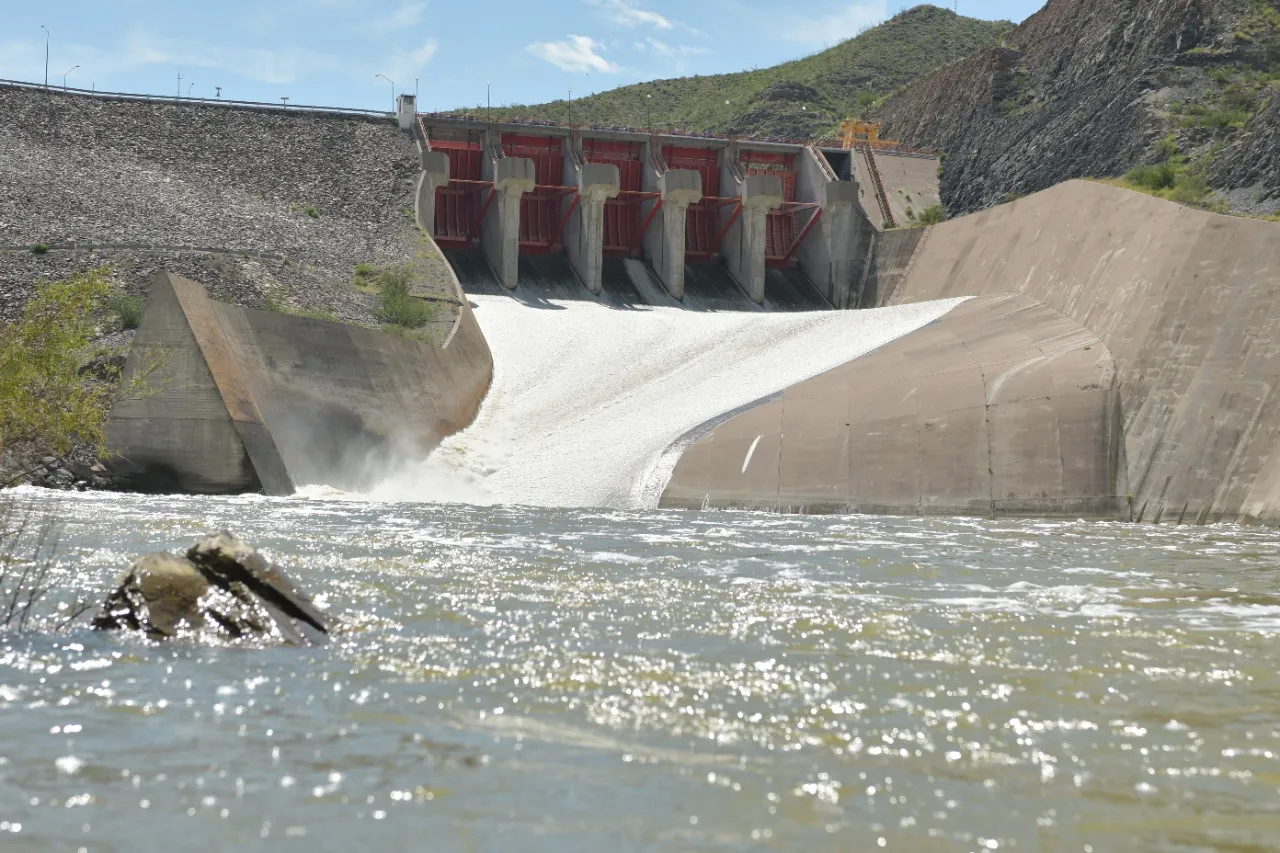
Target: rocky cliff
1095,87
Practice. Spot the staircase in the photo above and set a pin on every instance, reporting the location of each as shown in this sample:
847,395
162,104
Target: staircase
881,197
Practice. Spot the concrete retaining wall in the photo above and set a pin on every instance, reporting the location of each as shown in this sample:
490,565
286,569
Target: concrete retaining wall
258,401
1188,304
1002,407
1121,359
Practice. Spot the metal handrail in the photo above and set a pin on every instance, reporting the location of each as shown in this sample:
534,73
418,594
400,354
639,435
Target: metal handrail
214,102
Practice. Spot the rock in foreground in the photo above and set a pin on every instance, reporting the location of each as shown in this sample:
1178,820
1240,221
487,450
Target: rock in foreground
220,589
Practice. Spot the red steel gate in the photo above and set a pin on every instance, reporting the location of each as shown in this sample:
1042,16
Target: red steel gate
541,218
459,206
622,215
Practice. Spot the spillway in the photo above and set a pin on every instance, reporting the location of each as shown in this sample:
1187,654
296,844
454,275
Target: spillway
590,404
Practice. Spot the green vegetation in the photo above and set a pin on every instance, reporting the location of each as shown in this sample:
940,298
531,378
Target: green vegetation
311,211
40,249
1175,178
934,214
127,310
396,307
799,99
47,402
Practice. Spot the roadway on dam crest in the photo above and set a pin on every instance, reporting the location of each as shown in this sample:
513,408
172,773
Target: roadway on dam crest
589,404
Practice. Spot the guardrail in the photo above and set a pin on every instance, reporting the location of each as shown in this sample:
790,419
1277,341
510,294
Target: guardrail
212,102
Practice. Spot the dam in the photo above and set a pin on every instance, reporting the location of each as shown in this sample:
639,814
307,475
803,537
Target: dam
740,330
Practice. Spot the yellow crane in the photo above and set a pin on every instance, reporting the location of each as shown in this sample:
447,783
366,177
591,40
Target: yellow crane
856,132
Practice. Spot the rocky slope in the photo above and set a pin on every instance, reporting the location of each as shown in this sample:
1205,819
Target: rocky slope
1095,87
268,208
795,100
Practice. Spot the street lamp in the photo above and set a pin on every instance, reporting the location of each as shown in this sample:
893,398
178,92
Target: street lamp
648,121
46,55
393,89
64,76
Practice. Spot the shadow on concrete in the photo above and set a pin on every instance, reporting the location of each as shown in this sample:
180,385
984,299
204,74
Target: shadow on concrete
629,284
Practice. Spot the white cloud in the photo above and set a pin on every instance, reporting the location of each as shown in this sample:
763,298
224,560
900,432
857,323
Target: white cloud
842,23
625,13
403,65
655,47
408,15
579,54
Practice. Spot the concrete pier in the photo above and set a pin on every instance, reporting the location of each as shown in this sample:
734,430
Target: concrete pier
584,233
435,175
834,252
664,242
744,245
500,231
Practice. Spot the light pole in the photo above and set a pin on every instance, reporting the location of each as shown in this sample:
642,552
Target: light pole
64,76
393,89
46,55
415,92
570,108
488,103
648,120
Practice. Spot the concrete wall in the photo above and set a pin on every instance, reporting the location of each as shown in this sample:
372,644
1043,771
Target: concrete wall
1002,407
251,400
1188,304
910,181
834,253
888,259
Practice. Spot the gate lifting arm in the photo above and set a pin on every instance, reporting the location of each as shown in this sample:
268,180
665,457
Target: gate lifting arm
804,232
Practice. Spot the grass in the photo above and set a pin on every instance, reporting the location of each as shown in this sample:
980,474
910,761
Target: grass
800,99
127,311
397,307
934,214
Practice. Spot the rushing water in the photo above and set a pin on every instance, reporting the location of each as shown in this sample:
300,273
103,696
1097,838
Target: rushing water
555,680
586,399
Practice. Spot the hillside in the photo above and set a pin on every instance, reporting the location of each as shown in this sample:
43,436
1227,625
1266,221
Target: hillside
800,99
1180,99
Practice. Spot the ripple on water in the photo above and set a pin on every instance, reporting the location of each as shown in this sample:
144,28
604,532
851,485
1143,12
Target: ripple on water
509,678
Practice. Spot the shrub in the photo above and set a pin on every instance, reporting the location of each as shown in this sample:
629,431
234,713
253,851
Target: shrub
396,306
311,211
45,400
40,249
934,214
127,310
364,270
1159,177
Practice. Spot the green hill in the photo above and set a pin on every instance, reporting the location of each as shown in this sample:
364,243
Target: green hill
801,99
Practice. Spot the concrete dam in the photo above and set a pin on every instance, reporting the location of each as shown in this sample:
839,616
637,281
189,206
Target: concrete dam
664,327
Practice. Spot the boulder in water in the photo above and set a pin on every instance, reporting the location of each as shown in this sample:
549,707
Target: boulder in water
221,587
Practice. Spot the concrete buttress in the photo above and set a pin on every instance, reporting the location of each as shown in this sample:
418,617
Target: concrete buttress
500,232
584,243
664,242
435,175
746,242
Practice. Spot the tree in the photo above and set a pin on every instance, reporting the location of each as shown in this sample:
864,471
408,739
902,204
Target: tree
47,402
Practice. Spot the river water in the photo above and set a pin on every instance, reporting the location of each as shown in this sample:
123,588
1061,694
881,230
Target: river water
513,676
548,680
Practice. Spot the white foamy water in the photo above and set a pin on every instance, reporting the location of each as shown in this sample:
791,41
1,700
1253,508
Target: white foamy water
587,401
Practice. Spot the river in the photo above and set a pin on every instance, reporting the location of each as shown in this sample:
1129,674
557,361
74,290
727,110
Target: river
512,675
549,680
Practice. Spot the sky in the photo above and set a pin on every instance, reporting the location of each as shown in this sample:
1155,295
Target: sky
330,52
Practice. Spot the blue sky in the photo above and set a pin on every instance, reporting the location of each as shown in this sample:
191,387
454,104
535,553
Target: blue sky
329,51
